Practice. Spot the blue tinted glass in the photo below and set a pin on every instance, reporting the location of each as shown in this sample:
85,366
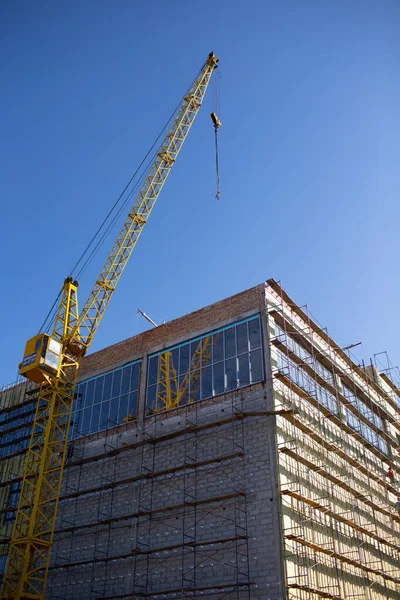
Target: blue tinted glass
114,412
255,333
231,376
184,359
90,393
218,347
153,370
195,386
207,366
256,366
132,406
98,392
151,396
126,380
135,376
206,382
85,423
244,373
105,409
219,376
94,426
123,408
242,338
101,413
107,386
116,386
230,342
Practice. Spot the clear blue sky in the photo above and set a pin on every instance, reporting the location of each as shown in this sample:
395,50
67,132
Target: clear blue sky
309,151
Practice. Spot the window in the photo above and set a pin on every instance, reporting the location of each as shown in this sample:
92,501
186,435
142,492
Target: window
12,502
3,563
366,432
221,361
305,382
362,407
304,354
104,401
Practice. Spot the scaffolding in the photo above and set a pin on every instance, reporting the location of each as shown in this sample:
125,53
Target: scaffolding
170,518
341,529
173,503
17,409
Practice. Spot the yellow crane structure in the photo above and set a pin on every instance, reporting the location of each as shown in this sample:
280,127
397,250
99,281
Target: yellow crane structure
53,362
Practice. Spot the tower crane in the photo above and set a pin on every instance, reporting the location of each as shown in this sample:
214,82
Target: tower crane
53,361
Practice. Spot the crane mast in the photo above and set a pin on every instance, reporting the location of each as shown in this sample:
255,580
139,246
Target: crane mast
55,361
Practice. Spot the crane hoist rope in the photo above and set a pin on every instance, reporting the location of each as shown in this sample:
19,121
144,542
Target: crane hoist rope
217,125
53,362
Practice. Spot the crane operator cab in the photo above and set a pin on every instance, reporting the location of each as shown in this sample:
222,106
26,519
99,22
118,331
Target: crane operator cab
41,358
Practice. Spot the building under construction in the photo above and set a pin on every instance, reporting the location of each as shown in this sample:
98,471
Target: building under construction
237,452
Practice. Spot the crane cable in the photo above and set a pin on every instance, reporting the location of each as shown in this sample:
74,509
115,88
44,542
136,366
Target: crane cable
51,315
217,195
217,124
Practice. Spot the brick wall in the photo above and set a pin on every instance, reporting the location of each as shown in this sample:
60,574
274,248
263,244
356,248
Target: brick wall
199,506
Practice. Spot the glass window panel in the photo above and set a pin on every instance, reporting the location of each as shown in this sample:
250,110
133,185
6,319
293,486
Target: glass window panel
195,386
105,409
116,386
230,342
132,406
175,359
164,362
76,419
135,376
123,407
85,423
206,382
153,370
195,347
98,393
94,425
113,416
206,351
90,393
218,376
256,366
80,396
183,391
151,396
347,392
231,375
244,372
218,347
184,359
202,357
126,380
107,386
255,333
242,338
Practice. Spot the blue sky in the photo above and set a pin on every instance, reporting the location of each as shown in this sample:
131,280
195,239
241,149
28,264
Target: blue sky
310,183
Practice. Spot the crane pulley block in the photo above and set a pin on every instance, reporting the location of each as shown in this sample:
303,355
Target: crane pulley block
215,120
